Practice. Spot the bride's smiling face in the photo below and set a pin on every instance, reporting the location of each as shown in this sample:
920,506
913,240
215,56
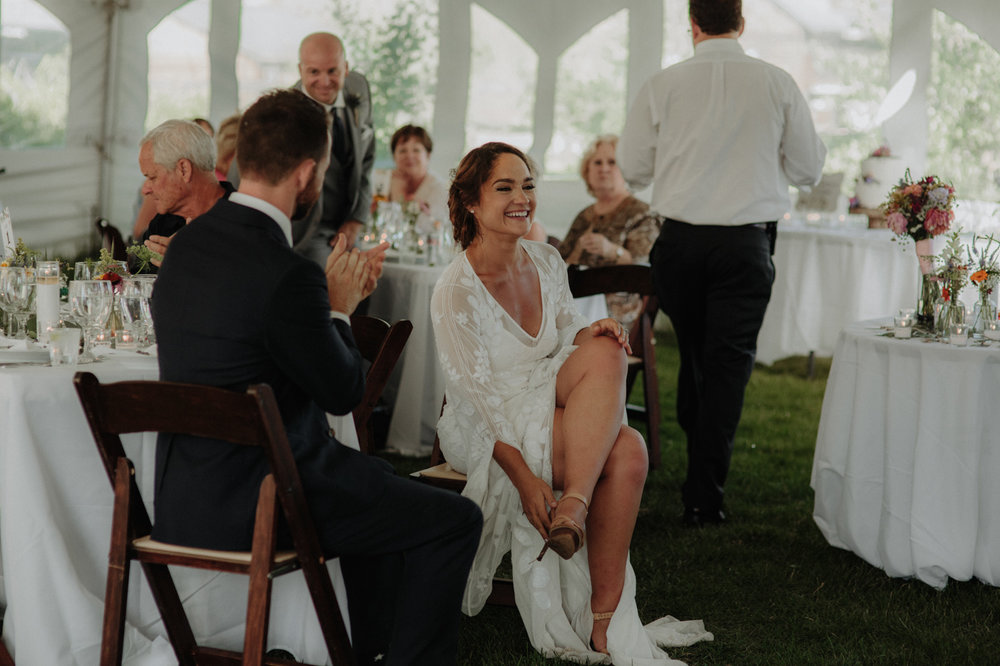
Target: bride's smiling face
507,198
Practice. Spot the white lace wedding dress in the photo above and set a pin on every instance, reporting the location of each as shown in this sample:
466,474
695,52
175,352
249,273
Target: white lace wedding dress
501,387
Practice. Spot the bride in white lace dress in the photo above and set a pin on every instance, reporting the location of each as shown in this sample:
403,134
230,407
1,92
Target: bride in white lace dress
535,404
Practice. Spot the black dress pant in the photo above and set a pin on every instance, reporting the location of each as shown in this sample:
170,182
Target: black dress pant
714,283
406,560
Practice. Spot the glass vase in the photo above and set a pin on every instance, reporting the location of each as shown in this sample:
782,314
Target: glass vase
952,312
983,312
927,297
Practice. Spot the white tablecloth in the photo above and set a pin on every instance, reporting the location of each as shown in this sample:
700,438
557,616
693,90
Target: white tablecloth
55,522
826,278
416,387
907,457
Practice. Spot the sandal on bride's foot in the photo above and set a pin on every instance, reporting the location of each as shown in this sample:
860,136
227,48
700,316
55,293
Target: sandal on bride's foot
566,536
597,618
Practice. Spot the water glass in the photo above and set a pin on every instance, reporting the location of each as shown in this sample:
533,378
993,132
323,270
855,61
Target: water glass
135,310
903,326
64,346
991,330
959,335
91,301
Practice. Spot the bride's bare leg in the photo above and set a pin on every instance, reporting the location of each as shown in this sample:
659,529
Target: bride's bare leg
594,455
590,388
611,523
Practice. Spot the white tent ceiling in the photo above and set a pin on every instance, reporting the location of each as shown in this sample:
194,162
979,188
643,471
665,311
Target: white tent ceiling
54,194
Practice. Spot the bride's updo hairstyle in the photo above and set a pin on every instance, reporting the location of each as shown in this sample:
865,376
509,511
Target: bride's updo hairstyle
467,183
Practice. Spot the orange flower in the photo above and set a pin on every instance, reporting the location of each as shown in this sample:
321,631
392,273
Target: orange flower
913,189
979,276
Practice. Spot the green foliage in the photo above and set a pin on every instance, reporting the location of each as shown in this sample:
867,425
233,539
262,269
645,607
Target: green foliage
33,102
963,123
394,52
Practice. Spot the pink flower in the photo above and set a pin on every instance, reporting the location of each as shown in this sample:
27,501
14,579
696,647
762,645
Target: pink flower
897,222
913,190
937,221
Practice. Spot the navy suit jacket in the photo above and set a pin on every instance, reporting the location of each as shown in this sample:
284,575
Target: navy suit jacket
234,305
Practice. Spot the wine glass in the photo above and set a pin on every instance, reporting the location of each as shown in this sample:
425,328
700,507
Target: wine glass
83,270
15,289
91,301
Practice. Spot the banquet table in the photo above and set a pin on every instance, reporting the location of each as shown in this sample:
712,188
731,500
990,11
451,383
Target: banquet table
55,522
416,387
827,277
906,458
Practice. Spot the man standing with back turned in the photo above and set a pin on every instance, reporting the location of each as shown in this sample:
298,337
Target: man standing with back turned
236,306
721,136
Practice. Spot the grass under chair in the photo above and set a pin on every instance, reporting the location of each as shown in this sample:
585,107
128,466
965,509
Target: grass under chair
766,583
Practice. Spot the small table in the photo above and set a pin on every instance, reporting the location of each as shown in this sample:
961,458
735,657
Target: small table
907,456
826,278
55,522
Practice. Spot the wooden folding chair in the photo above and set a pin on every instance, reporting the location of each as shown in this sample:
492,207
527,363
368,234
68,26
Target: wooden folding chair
5,658
635,279
381,345
252,419
111,239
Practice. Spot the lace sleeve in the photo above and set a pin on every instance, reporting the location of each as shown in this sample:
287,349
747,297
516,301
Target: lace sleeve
569,321
464,326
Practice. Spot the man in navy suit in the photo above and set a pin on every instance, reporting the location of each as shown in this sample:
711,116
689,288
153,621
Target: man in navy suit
234,305
346,202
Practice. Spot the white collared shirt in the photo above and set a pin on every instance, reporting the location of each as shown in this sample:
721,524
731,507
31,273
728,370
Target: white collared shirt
338,103
268,209
721,136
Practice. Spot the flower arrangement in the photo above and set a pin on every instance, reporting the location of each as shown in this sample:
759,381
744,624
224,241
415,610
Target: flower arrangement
143,256
985,275
22,255
954,272
921,209
107,268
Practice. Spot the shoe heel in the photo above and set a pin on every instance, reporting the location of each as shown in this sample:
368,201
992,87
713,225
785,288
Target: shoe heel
542,554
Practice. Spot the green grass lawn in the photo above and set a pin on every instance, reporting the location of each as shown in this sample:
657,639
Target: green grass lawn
767,584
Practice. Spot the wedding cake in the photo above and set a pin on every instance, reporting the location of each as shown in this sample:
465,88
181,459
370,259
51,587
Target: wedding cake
879,173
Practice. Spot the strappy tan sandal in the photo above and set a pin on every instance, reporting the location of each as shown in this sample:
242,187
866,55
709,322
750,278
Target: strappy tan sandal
597,618
566,536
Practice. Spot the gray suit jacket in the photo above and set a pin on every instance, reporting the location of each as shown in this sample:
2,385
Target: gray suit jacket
349,192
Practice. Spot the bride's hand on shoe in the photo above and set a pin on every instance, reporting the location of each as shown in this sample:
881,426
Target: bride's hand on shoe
537,501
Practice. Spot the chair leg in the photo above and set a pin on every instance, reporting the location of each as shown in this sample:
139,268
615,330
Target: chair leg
331,622
5,658
651,391
259,601
116,586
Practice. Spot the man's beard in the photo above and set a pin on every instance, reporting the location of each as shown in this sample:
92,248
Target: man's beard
306,200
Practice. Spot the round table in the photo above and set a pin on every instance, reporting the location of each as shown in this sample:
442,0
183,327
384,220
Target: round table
907,455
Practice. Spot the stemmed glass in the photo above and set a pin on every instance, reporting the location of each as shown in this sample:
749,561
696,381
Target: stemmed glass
135,308
15,290
91,301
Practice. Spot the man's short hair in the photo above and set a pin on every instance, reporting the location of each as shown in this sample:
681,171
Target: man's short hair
716,17
278,132
174,140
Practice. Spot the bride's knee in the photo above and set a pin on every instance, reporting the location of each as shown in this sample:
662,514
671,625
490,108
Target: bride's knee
604,352
629,458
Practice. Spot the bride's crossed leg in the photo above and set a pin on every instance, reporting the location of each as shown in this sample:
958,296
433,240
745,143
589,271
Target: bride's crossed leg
601,459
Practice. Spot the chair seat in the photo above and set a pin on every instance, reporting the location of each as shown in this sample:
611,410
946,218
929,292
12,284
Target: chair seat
148,546
442,476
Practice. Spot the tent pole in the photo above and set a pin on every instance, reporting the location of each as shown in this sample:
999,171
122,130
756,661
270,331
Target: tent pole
110,84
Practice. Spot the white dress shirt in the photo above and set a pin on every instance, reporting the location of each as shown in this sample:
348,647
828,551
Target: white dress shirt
721,136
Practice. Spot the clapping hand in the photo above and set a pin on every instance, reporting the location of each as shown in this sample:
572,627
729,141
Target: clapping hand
351,275
613,329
